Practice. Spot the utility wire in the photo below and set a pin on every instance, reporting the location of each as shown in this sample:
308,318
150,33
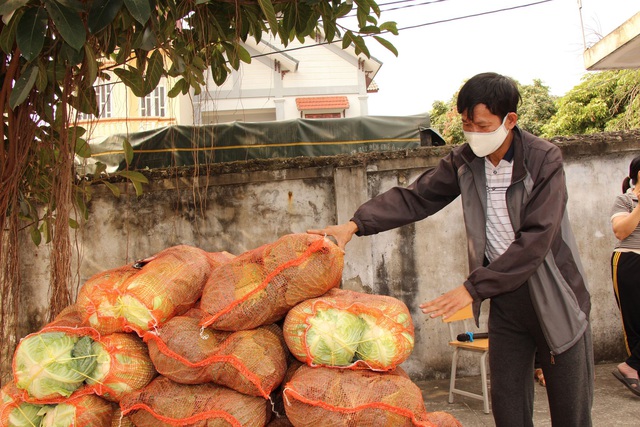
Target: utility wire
442,21
476,14
413,4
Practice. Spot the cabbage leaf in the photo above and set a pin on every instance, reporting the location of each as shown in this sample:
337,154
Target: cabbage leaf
333,337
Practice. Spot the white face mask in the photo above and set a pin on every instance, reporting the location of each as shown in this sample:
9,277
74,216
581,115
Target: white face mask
485,143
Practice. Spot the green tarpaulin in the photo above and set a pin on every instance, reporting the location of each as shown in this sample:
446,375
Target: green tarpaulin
188,145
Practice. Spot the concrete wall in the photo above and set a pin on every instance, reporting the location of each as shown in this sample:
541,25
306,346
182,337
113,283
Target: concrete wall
239,206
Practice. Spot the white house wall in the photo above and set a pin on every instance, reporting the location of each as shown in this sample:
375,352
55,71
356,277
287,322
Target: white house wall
266,83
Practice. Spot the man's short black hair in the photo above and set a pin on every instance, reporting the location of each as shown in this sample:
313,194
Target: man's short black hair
499,93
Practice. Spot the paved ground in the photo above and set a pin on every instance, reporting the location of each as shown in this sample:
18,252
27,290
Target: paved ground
613,404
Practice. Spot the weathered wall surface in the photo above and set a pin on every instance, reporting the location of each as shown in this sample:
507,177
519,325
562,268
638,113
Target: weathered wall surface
238,207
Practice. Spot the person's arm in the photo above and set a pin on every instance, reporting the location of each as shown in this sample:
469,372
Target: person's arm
398,206
624,225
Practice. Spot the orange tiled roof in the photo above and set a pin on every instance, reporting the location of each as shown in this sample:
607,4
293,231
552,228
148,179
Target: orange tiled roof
323,103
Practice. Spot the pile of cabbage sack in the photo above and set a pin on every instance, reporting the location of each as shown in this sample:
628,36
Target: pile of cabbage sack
188,337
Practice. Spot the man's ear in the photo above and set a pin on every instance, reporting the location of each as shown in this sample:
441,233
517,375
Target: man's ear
512,120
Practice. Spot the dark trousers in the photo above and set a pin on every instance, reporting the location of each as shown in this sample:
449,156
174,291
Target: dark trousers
625,271
514,337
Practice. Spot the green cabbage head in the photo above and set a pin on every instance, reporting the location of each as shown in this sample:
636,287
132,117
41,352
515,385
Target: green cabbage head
53,364
333,337
25,415
60,415
378,344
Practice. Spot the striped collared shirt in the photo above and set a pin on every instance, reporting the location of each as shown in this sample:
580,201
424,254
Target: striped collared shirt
498,228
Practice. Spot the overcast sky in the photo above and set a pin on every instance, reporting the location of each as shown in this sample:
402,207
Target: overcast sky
542,41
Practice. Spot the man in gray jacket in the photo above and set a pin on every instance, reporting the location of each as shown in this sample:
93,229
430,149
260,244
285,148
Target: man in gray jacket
522,253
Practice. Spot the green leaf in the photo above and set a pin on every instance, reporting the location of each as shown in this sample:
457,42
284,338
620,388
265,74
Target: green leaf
370,29
133,79
45,229
270,15
102,13
139,9
138,188
232,55
68,24
219,75
329,29
10,6
347,39
81,205
114,188
8,34
86,101
90,65
389,26
23,86
36,237
133,176
100,168
31,31
128,151
361,46
78,130
243,54
73,224
42,80
343,9
362,14
83,149
70,55
387,44
369,5
219,70
75,5
155,69
180,86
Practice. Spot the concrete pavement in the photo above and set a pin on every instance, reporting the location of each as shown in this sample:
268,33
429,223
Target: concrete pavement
613,406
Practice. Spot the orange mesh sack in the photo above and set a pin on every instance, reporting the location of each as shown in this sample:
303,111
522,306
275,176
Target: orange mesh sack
350,329
252,362
123,366
144,295
443,419
65,359
166,403
87,411
119,420
258,287
14,411
344,397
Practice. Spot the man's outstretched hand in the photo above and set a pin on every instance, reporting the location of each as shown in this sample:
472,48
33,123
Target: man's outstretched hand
447,304
342,232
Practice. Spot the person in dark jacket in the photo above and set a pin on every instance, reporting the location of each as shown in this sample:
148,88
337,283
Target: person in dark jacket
521,250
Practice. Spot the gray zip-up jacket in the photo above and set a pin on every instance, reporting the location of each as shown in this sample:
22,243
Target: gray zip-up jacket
544,251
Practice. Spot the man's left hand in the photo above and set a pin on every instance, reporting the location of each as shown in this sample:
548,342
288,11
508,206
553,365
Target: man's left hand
447,304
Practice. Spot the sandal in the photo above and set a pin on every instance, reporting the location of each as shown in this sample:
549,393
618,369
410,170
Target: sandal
538,375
